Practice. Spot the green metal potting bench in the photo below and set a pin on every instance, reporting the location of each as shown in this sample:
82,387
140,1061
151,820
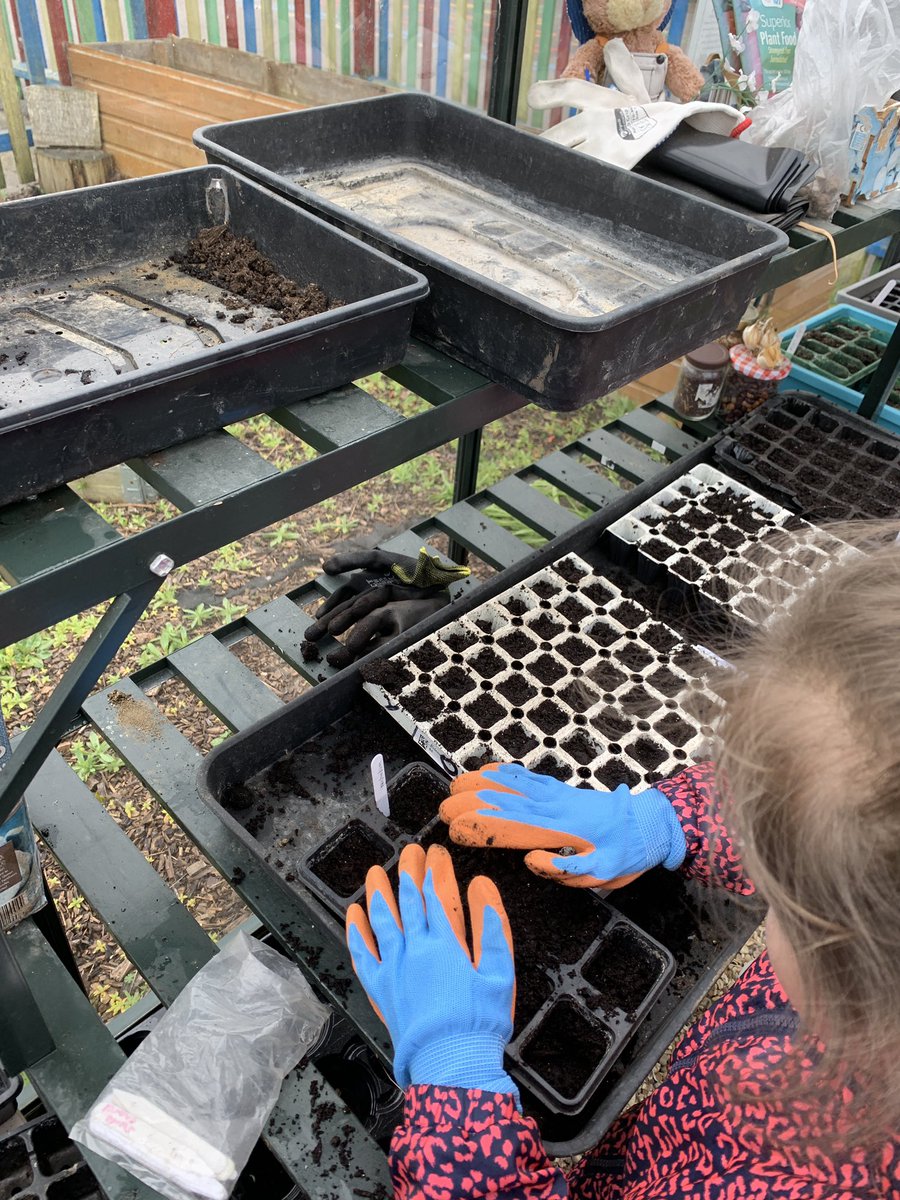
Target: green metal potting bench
61,558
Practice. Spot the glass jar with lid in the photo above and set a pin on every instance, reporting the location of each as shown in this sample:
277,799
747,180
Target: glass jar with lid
700,382
749,384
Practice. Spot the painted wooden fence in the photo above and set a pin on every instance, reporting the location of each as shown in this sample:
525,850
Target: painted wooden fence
438,46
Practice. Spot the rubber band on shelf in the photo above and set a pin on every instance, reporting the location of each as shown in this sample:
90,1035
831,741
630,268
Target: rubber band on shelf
825,233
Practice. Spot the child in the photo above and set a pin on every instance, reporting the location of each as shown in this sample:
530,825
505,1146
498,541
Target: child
789,1085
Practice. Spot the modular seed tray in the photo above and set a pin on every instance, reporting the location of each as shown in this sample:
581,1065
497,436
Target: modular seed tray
319,749
548,271
842,350
818,459
108,350
591,987
736,549
561,673
40,1162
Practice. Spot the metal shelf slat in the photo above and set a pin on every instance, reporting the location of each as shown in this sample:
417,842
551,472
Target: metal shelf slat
201,471
223,683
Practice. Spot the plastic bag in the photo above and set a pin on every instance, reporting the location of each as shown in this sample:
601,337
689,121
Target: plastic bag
848,56
187,1108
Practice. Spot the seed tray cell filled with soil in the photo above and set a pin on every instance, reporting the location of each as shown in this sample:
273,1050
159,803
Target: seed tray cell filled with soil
341,864
414,796
624,970
854,459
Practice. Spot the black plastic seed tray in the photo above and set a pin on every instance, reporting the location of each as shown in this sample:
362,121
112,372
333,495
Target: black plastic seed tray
824,463
573,990
108,350
39,1162
551,272
325,741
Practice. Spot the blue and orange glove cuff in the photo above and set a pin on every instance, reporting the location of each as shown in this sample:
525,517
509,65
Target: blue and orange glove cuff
472,1061
660,829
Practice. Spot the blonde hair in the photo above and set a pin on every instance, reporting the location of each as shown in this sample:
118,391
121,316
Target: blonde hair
809,784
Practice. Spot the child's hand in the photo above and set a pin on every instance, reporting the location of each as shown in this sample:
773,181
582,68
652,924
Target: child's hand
448,1009
615,836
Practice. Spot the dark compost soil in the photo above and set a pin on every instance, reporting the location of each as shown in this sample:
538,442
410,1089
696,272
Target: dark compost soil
217,256
623,971
344,864
566,1048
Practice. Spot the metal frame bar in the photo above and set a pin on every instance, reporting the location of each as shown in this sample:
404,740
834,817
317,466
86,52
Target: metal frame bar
71,692
883,380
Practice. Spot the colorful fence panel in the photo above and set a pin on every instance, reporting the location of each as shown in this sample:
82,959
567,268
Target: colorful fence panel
437,46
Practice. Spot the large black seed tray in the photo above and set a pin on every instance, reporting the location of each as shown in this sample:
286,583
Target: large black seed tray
320,748
825,463
551,272
108,350
587,980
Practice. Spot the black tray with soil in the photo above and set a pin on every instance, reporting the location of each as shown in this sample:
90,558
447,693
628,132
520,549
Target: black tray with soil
141,314
824,463
586,976
700,926
549,272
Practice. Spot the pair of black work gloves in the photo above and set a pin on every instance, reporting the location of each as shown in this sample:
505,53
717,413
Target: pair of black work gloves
385,594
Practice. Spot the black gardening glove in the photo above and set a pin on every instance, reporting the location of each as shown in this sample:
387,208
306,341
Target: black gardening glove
385,595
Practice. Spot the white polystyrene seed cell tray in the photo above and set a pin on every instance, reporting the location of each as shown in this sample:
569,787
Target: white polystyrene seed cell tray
723,554
567,676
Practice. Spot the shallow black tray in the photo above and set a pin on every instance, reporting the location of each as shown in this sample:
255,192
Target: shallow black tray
39,1162
559,986
824,463
702,928
106,354
526,204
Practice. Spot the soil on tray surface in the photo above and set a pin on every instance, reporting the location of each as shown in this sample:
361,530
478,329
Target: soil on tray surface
575,651
456,682
547,670
427,657
545,589
487,663
569,571
614,773
647,752
546,628
516,741
549,717
598,594
566,1048
452,733
343,867
485,711
423,705
516,644
217,256
623,971
635,656
388,674
457,642
415,799
516,690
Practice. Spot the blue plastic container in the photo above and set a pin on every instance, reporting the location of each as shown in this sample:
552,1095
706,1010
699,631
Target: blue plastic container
802,376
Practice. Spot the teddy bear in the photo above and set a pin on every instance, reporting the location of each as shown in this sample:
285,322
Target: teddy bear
637,23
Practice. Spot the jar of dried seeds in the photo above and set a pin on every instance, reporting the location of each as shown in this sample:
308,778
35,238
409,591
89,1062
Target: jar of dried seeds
749,384
700,382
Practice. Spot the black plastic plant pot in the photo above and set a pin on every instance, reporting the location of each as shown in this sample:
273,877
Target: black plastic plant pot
824,463
110,351
551,272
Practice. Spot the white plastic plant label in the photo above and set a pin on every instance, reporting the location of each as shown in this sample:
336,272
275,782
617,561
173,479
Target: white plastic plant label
379,784
885,292
794,343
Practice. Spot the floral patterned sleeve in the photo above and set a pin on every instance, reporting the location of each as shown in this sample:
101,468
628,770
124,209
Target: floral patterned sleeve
457,1143
711,854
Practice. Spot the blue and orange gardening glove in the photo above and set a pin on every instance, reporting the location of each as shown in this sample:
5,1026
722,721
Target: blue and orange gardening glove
448,1008
608,839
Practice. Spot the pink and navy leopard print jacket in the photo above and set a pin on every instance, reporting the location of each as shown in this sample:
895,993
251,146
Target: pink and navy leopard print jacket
692,1139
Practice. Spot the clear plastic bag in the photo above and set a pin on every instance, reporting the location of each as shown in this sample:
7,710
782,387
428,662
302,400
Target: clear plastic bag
848,56
187,1108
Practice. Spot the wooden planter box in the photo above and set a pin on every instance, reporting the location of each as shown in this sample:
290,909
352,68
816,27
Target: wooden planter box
154,94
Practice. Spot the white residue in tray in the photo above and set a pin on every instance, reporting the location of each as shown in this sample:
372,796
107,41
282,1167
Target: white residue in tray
581,270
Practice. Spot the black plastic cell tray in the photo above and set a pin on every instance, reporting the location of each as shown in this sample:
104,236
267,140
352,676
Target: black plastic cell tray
107,353
340,728
39,1162
580,277
816,459
561,974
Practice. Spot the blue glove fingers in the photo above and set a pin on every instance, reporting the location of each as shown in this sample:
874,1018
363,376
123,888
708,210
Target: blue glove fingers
366,965
388,935
496,964
412,909
439,925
